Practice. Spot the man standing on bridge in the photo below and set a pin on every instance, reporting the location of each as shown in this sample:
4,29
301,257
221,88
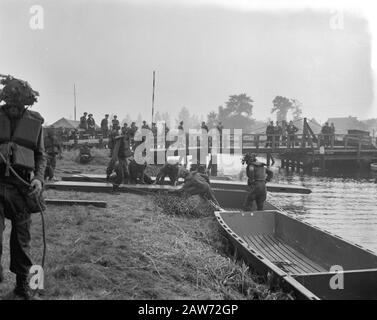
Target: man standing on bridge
258,175
291,130
270,132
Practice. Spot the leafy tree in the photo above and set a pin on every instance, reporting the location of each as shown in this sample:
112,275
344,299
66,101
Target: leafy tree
239,104
189,121
237,113
297,109
212,119
281,105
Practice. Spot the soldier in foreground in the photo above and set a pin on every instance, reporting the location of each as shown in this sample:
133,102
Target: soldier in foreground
21,134
258,175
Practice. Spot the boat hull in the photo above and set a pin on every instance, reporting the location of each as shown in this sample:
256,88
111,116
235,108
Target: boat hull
300,257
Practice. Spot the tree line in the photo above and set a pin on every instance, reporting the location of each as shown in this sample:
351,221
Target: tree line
236,113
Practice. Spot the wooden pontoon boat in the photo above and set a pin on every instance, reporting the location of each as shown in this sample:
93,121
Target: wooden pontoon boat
300,256
285,250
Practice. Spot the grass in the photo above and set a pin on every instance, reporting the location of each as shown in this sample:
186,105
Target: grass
139,247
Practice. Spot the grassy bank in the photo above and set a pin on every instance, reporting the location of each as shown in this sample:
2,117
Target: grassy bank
139,247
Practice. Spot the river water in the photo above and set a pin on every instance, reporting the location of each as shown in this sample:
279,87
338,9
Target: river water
344,203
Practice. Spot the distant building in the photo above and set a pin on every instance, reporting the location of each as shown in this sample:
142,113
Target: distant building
66,124
343,124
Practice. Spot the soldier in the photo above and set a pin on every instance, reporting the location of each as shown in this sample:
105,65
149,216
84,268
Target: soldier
180,127
204,126
83,122
111,145
125,129
197,183
291,130
105,126
91,126
52,148
278,131
173,171
145,125
85,154
132,132
257,175
120,161
270,132
20,190
115,123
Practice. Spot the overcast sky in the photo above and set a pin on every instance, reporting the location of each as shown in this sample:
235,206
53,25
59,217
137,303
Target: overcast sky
201,54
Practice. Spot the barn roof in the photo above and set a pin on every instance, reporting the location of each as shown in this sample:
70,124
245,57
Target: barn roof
66,123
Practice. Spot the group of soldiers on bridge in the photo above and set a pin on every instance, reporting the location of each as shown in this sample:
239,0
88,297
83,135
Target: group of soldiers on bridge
286,134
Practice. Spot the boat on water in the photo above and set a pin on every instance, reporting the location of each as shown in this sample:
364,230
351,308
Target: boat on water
299,257
373,166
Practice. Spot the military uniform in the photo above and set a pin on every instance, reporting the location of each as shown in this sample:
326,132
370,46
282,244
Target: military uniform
91,125
105,127
85,154
119,160
270,132
115,124
83,122
291,130
52,148
21,148
257,175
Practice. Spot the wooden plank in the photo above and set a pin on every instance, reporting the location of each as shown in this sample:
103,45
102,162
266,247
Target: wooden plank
76,202
107,187
215,183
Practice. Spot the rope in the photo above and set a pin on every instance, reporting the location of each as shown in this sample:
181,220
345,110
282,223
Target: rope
40,208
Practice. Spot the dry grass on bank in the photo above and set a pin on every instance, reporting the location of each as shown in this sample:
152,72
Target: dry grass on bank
139,247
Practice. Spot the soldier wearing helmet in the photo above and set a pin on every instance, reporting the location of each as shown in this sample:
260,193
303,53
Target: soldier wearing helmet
258,175
22,168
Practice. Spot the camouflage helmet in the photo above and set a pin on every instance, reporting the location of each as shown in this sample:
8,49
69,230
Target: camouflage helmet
249,158
17,92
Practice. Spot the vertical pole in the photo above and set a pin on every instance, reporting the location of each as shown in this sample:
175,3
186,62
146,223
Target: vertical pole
154,83
74,101
359,154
